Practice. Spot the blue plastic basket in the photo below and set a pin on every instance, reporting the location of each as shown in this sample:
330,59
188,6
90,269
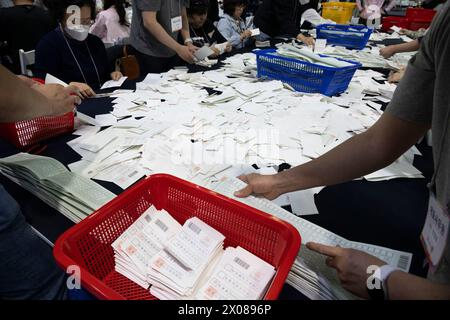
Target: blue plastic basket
304,76
349,36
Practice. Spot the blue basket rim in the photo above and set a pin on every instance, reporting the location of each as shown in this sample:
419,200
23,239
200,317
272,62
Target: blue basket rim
344,26
267,52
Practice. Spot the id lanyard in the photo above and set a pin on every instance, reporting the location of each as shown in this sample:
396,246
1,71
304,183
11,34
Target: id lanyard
76,60
434,235
206,38
174,20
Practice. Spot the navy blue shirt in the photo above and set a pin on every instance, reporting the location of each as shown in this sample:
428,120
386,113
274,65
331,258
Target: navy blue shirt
53,56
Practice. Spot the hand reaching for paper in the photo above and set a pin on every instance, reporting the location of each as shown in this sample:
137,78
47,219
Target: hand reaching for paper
62,99
259,185
351,266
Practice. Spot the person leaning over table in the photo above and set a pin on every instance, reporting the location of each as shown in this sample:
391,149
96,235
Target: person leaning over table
155,29
282,18
202,31
421,102
70,53
27,267
232,26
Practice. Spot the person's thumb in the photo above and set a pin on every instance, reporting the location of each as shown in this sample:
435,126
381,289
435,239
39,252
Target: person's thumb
245,192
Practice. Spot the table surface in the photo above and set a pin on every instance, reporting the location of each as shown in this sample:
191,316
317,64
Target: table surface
386,213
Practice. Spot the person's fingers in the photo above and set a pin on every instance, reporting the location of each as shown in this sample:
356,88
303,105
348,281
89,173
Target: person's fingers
330,262
74,101
82,94
324,249
72,90
90,92
245,192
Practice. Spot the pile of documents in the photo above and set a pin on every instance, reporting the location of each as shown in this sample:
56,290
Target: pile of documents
187,262
172,124
71,194
309,274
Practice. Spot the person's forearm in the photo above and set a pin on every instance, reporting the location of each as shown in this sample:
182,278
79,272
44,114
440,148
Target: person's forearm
407,47
379,146
185,34
158,32
18,101
405,286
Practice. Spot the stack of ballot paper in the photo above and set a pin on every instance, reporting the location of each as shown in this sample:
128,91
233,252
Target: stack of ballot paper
187,262
144,239
69,193
309,274
239,275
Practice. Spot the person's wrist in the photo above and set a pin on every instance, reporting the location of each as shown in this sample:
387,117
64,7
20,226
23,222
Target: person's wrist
188,40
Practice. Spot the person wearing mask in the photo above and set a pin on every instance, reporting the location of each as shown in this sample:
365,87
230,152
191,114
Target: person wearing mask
21,27
282,18
421,102
111,24
155,29
232,26
202,31
70,53
27,267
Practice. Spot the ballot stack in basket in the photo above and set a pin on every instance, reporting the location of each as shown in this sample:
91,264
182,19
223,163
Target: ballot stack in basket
179,262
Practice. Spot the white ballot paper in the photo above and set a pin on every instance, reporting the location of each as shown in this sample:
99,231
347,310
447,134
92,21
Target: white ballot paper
185,257
240,275
135,248
203,53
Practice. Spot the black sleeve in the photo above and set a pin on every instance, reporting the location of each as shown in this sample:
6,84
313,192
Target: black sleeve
213,10
47,57
216,35
105,68
284,11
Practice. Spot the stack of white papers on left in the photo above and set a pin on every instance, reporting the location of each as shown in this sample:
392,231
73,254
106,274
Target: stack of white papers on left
71,194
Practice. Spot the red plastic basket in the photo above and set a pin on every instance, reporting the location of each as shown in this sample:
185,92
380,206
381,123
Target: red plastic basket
388,22
420,14
88,244
29,132
419,24
419,18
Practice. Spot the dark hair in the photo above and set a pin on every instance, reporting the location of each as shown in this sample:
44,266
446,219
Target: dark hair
120,8
198,7
57,8
229,6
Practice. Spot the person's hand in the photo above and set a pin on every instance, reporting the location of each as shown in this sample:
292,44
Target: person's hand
216,52
229,47
186,53
351,266
259,185
192,48
246,34
309,41
28,81
84,90
387,52
61,99
116,75
395,77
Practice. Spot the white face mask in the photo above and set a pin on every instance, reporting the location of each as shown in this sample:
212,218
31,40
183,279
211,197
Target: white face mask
77,32
303,2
